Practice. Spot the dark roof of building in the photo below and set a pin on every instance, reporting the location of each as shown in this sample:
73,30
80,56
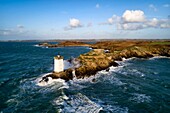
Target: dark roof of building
58,57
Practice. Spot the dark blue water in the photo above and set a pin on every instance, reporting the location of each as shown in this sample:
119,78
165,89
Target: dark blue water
137,86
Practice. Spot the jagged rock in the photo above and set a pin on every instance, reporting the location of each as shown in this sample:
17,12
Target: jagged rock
93,80
115,64
107,69
66,75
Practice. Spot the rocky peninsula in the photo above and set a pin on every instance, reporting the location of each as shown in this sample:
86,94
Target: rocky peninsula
105,53
64,44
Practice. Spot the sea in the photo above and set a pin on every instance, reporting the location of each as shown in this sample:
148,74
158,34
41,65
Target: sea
135,86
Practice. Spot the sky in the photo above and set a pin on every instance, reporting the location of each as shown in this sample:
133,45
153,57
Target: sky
84,19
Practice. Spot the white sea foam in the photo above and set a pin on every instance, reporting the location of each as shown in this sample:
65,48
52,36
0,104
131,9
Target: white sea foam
124,59
73,85
121,63
132,71
12,101
140,98
117,81
134,86
67,64
130,58
157,57
40,78
114,69
44,83
137,72
103,72
81,83
115,109
88,79
60,100
107,108
78,84
112,79
78,103
59,83
36,45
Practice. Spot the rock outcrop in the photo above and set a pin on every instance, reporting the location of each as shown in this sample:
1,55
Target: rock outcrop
66,75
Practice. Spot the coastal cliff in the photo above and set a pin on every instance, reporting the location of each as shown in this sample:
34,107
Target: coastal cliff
105,53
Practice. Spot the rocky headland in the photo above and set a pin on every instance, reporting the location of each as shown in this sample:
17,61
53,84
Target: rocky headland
64,44
105,53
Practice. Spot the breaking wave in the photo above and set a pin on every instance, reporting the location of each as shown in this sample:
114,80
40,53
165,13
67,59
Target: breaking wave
59,83
140,98
77,103
114,109
36,45
158,57
80,103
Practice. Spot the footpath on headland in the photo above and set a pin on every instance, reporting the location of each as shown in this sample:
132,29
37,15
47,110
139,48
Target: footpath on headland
104,54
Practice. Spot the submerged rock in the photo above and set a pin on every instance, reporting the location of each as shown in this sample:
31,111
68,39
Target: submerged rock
107,69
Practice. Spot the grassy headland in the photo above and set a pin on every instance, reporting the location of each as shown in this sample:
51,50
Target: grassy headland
105,53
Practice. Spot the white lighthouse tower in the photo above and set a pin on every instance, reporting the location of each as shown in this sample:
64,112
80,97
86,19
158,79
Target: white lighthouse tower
58,63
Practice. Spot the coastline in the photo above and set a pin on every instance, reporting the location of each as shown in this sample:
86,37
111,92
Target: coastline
105,54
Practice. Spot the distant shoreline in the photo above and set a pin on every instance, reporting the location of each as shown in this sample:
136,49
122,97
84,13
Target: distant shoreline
82,40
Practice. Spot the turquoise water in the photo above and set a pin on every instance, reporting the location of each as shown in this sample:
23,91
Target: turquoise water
136,86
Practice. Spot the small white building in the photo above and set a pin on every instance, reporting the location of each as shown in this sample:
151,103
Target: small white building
58,64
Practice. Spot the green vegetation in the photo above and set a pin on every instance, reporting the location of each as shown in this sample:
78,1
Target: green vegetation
160,43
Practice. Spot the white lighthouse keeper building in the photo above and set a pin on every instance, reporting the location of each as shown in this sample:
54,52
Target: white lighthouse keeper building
58,63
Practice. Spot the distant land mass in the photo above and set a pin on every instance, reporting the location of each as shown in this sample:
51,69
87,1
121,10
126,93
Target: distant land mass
104,53
81,40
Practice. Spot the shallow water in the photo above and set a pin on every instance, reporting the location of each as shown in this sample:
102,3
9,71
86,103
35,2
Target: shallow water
137,85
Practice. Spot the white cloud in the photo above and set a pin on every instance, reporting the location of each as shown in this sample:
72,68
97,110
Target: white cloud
110,20
5,32
18,30
74,23
166,5
165,23
97,6
130,26
161,23
153,22
133,16
20,26
135,20
165,26
114,19
151,6
89,24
